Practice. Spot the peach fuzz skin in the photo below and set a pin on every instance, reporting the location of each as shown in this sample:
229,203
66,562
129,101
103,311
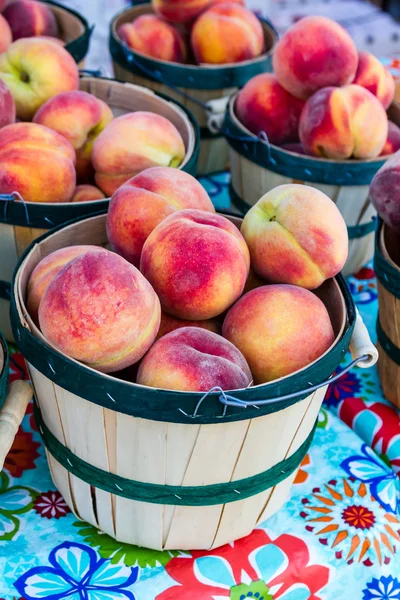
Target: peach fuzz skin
197,262
151,36
384,192
46,270
194,360
372,75
227,33
180,11
5,34
7,106
87,193
132,143
169,324
314,53
36,162
80,117
296,235
263,105
36,69
392,143
341,123
28,18
279,329
138,206
100,310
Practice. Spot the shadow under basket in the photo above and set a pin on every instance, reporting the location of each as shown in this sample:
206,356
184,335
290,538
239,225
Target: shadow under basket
23,222
387,270
74,30
257,167
189,83
140,463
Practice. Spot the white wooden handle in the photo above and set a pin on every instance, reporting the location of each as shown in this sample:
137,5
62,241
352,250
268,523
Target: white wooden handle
216,113
361,344
11,415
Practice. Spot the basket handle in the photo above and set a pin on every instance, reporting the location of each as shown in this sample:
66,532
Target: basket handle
361,345
11,415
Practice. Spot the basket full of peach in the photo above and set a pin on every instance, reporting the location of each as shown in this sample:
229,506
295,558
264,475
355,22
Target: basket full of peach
180,357
196,51
325,117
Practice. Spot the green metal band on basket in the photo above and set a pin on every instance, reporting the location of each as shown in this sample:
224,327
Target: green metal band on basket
353,231
206,495
387,274
4,374
5,290
388,347
297,166
77,48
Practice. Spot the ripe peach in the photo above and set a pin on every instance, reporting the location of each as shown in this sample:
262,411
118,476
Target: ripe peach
87,193
35,70
7,106
392,143
138,206
29,18
132,143
264,105
100,310
80,117
227,33
197,262
296,235
194,360
372,75
46,270
341,123
179,11
279,329
384,192
315,53
37,162
150,35
5,34
169,324
294,147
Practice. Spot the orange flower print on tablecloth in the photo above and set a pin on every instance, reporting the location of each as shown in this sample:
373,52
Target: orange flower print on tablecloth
345,517
302,474
22,455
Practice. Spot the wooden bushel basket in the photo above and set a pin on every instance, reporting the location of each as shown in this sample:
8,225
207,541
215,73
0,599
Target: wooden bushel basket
23,222
74,31
258,167
203,83
163,469
387,269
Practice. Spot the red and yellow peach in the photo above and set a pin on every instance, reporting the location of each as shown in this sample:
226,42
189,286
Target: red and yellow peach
372,75
28,18
151,36
384,192
392,143
5,34
7,106
87,193
180,11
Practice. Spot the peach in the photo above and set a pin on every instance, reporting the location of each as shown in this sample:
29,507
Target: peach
35,70
180,11
87,193
315,53
36,162
100,310
132,143
5,34
169,324
214,2
372,75
80,117
46,270
296,235
341,123
294,147
384,192
150,35
279,329
194,360
29,18
138,206
264,105
197,262
227,33
7,106
392,143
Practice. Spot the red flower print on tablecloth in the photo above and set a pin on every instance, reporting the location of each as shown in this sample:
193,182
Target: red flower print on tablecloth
17,366
255,567
347,385
22,455
51,505
365,273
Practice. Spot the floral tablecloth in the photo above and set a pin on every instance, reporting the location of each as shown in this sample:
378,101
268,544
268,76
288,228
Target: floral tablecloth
337,538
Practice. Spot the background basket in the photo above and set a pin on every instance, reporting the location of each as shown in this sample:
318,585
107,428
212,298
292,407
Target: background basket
386,264
74,30
199,84
23,222
258,167
166,469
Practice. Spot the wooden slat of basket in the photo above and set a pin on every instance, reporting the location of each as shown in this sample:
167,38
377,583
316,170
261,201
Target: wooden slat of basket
70,27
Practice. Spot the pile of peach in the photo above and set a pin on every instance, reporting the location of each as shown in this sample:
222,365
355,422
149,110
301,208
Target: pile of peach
196,31
184,300
324,99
